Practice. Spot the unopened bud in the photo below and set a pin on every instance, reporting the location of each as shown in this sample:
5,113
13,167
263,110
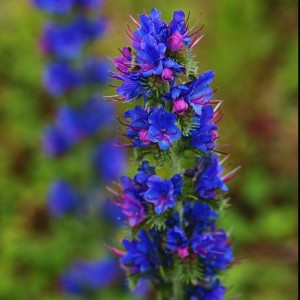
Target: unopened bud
167,75
180,106
175,42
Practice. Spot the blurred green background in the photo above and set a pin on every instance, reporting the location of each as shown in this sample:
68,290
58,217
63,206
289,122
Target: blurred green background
252,46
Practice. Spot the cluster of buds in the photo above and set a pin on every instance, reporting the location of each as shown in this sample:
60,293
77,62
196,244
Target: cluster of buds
173,239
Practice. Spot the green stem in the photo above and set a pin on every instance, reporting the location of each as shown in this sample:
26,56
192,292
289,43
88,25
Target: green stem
165,292
177,289
176,161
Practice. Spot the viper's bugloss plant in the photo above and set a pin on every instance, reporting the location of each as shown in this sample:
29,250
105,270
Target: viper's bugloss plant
173,238
74,79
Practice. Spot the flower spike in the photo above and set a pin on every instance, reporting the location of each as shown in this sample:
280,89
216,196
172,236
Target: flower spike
173,238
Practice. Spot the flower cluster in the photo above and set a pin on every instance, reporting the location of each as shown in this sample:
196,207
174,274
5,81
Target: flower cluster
159,129
147,193
157,126
173,239
82,117
190,239
173,113
160,52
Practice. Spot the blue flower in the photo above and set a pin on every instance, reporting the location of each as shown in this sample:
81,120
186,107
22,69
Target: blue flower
95,71
141,255
212,290
152,60
64,41
142,178
196,93
62,7
177,181
177,241
84,121
138,185
68,41
215,250
173,65
60,78
173,221
150,25
201,92
54,6
204,134
109,160
199,217
70,121
178,23
62,199
55,141
208,180
177,92
146,168
90,29
153,25
145,172
73,125
133,209
96,114
89,4
85,277
163,129
123,63
136,188
178,32
160,193
131,88
131,198
151,56
112,214
132,188
137,130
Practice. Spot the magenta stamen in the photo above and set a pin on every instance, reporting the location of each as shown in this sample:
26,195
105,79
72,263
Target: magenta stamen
231,174
134,21
196,41
197,31
220,152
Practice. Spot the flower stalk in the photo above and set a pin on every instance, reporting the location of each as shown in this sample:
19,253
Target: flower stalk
173,239
75,79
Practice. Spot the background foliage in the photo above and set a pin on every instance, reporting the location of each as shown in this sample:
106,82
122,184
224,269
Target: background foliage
252,46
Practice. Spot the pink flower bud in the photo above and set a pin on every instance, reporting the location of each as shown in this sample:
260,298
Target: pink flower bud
167,75
183,252
180,106
175,42
144,136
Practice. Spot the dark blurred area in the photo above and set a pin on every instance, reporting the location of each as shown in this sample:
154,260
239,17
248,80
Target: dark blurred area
252,46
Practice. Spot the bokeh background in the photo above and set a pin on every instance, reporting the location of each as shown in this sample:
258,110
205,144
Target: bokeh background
252,46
